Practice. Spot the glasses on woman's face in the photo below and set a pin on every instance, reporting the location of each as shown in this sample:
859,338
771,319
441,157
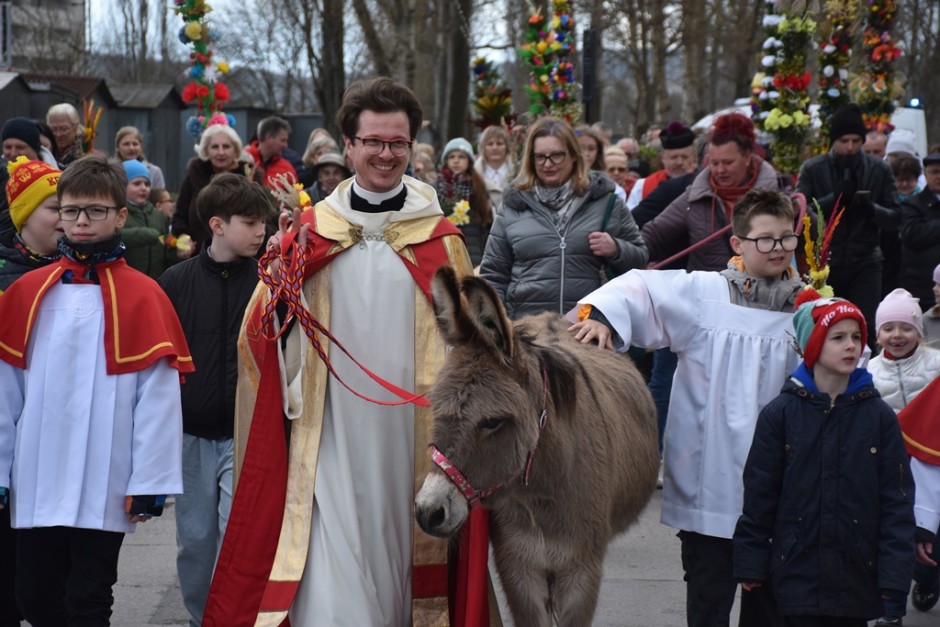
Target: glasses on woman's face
766,244
555,158
374,145
95,213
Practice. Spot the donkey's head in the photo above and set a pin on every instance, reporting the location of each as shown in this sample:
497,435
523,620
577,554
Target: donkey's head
486,402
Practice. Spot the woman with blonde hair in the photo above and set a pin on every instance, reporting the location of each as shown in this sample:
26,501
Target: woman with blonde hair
219,150
129,146
495,163
422,165
319,143
559,228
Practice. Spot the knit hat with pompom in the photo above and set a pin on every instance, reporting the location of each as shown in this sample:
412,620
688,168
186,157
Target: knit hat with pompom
30,183
815,316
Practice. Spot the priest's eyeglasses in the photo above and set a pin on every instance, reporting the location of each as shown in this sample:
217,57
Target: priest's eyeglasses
374,145
767,244
94,213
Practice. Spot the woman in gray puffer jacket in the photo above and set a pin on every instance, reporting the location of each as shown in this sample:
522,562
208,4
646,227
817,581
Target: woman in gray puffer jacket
549,244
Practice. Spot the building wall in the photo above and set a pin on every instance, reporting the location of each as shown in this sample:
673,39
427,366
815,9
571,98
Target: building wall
48,35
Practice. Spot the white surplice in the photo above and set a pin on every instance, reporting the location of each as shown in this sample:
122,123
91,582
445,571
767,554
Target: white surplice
74,440
358,569
733,360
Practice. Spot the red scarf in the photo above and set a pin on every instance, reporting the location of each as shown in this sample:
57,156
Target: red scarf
140,324
731,195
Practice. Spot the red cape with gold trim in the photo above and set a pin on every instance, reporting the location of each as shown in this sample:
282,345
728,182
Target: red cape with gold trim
920,424
240,586
140,324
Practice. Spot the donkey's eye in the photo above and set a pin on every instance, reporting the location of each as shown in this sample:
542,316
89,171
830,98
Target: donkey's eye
491,424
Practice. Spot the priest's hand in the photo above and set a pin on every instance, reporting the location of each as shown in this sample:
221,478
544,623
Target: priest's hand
287,223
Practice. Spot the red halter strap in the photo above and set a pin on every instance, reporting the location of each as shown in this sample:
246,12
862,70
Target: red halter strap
472,495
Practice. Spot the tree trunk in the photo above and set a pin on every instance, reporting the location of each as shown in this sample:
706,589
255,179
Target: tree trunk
459,91
598,22
660,51
333,78
372,39
694,37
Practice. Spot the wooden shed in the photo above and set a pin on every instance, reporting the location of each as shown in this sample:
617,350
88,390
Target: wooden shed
15,96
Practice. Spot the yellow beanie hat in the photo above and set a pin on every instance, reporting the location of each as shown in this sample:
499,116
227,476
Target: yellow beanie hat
31,182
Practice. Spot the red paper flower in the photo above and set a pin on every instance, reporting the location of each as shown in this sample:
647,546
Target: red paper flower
189,92
202,91
221,92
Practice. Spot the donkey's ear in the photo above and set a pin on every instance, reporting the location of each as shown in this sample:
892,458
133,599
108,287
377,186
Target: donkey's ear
449,307
487,314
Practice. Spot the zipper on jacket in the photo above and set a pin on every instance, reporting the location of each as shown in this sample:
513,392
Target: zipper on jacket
561,292
901,385
223,321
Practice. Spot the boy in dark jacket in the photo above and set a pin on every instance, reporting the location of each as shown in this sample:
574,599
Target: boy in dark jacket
828,494
210,293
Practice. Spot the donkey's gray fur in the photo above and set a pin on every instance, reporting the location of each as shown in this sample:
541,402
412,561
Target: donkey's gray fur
596,462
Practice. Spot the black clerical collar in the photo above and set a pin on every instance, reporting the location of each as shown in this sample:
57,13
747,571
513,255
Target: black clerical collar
395,203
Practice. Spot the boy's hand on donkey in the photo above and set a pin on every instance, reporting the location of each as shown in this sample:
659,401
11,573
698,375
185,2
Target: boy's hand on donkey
588,331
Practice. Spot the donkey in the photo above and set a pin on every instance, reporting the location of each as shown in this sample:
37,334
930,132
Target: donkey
565,431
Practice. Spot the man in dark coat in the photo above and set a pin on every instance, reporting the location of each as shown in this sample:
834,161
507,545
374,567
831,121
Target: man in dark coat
848,177
920,235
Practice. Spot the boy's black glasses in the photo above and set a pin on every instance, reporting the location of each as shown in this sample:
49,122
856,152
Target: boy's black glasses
767,244
95,213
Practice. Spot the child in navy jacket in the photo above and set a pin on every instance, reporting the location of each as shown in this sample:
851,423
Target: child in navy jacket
828,494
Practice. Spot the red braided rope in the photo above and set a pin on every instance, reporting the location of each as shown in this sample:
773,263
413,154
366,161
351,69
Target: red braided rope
286,287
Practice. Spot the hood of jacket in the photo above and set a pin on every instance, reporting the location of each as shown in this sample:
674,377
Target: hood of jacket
859,380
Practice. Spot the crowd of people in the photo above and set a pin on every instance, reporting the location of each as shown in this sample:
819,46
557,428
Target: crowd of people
159,343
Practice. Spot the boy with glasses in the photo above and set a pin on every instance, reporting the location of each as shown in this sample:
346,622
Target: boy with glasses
91,352
730,331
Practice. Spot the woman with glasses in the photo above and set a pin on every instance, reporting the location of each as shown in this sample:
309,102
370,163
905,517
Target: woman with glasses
560,227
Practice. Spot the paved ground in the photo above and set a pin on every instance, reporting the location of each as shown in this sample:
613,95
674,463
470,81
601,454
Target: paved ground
642,581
